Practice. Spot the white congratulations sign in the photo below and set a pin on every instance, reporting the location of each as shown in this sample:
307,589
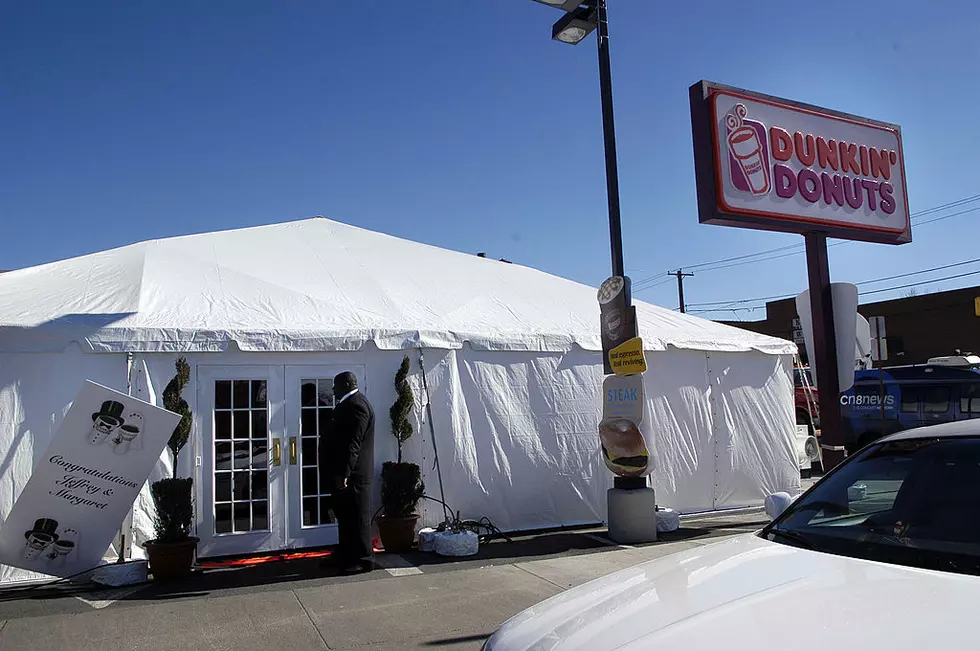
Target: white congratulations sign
85,483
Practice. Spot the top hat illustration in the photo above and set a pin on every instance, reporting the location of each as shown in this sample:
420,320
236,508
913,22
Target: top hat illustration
44,528
110,413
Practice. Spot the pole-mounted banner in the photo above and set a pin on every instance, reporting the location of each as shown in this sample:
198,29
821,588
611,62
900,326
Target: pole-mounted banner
618,317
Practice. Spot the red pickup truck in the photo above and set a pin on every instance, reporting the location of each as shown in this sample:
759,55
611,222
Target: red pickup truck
807,406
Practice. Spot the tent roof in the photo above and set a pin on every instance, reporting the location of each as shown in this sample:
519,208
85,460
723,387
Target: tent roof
319,285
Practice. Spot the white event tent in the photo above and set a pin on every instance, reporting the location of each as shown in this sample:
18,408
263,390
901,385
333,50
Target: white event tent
512,360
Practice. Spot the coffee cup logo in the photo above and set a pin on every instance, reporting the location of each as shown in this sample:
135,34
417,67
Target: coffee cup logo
748,152
614,323
616,318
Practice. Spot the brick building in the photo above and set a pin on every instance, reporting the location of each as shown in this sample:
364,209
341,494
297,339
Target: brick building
917,327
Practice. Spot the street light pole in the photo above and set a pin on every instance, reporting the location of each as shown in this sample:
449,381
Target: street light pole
609,139
631,503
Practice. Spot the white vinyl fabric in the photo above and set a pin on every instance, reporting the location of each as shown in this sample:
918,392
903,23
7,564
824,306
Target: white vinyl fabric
511,362
317,285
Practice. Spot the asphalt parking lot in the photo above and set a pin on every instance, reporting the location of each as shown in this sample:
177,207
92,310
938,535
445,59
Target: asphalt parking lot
416,601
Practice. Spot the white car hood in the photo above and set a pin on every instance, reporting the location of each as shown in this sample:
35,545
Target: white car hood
749,593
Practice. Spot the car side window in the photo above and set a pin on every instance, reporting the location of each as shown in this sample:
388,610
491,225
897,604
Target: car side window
935,400
910,400
970,399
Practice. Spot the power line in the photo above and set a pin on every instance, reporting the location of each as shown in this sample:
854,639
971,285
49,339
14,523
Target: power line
867,293
863,282
939,219
922,282
743,257
916,273
645,287
704,266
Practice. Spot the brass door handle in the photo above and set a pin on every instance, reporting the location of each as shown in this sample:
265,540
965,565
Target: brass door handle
292,450
276,453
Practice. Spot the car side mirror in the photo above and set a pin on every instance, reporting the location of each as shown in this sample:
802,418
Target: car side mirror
777,503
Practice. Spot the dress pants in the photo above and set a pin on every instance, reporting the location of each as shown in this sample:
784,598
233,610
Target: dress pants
353,508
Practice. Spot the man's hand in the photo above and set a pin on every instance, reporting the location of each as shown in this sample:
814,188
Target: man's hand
340,483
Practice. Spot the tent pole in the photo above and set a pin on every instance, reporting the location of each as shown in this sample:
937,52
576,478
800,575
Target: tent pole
432,431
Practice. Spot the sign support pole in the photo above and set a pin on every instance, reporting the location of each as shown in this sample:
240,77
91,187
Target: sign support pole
825,350
609,141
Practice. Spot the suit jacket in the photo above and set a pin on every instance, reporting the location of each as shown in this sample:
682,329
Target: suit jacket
351,443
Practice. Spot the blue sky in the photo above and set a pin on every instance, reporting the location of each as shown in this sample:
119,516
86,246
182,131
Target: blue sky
461,124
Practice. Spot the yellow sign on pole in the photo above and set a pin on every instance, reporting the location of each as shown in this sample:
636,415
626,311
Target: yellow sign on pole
976,305
628,358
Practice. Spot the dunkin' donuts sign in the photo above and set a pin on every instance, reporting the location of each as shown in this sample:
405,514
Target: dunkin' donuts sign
778,165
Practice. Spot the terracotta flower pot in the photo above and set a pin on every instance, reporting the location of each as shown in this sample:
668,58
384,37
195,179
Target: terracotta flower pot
171,561
397,533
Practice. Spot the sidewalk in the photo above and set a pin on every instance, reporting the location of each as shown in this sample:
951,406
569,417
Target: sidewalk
419,601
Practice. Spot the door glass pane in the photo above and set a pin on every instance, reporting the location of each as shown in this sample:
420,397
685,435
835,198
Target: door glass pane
308,451
240,423
243,517
260,516
308,393
222,425
260,424
243,482
222,487
241,456
310,512
259,394
307,426
222,395
260,484
310,483
260,454
324,394
240,389
326,510
323,426
222,456
222,518
318,401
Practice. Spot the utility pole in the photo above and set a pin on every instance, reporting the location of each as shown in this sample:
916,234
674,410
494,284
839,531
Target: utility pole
680,287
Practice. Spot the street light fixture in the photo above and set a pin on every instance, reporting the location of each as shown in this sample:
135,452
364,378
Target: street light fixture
566,5
575,26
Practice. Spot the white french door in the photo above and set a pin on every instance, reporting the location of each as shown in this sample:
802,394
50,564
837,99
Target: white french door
241,478
259,486
309,501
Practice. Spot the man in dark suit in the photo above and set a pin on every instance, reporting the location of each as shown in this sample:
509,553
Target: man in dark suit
350,466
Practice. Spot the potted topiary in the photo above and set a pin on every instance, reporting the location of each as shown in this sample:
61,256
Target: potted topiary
171,553
401,482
